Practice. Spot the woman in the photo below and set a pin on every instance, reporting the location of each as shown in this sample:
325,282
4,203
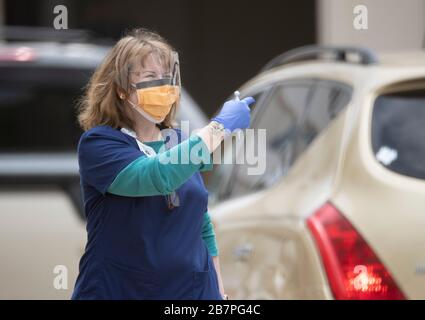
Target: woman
149,231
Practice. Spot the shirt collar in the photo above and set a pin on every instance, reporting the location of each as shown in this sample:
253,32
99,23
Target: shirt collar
148,150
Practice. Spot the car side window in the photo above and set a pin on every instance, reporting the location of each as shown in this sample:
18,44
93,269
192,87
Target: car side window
281,115
219,181
328,99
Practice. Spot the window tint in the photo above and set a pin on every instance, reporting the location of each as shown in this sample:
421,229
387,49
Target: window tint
328,99
38,113
293,115
218,183
398,132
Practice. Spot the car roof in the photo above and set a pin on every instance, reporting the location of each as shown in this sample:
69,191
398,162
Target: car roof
385,59
412,63
402,58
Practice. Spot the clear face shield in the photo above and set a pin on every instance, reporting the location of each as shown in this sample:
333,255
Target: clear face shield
158,86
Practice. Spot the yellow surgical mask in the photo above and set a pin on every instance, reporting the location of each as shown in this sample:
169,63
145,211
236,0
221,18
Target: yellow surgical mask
155,102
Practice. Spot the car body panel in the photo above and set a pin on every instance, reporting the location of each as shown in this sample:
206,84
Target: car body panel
39,231
392,218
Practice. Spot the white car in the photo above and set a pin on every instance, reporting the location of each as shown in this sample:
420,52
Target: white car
339,212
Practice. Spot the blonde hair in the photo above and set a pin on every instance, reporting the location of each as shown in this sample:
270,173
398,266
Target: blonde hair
101,103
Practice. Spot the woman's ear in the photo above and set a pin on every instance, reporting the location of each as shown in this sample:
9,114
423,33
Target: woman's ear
121,94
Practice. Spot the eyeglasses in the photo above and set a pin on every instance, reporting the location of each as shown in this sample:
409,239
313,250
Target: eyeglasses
173,200
172,75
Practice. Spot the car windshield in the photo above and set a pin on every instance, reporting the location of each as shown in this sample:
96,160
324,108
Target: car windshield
398,132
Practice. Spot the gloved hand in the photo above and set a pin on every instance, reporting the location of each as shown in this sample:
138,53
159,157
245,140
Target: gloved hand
235,114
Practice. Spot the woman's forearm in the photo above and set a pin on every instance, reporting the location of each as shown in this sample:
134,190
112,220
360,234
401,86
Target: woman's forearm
218,271
148,176
208,235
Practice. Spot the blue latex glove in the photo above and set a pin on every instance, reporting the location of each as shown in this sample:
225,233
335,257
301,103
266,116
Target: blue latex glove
235,114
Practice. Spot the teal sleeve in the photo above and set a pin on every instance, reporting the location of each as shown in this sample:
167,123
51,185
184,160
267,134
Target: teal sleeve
207,166
208,235
159,174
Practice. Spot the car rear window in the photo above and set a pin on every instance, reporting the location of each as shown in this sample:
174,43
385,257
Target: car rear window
398,132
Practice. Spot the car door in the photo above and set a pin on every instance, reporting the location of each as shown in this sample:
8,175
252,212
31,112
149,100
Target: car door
249,270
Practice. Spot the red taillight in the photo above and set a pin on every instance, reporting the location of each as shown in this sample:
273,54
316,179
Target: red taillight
353,269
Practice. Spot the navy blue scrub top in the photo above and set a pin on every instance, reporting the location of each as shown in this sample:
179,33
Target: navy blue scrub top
137,248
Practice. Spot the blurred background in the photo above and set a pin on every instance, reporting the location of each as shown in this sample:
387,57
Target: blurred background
43,72
223,45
